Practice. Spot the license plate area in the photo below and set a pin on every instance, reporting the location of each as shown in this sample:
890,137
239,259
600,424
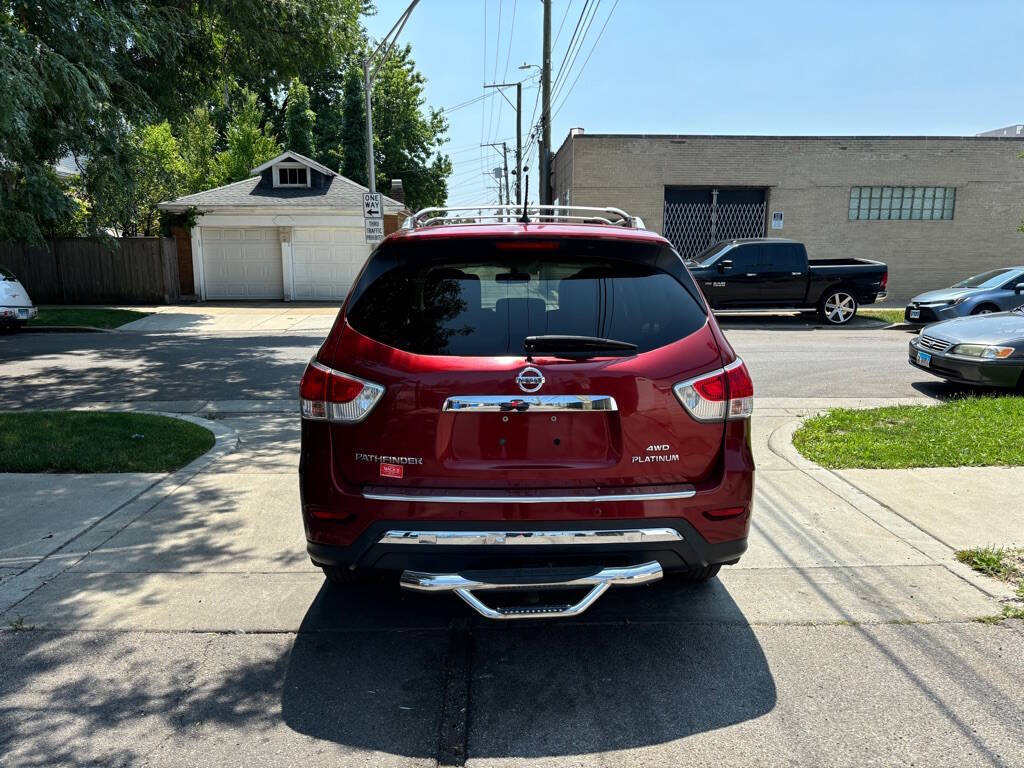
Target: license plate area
915,314
923,358
532,440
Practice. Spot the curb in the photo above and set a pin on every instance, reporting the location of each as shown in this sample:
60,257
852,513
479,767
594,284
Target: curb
74,550
780,442
64,329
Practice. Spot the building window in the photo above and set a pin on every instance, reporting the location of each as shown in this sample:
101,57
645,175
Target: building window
291,177
902,203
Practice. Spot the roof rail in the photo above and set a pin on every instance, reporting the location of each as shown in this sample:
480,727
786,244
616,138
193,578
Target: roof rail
524,214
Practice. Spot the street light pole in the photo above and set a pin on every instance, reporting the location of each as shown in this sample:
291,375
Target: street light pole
384,49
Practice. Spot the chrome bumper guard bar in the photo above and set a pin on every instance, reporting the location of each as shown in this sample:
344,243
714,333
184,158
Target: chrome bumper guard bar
505,581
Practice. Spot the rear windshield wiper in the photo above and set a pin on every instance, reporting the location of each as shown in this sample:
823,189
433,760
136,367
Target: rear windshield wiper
577,347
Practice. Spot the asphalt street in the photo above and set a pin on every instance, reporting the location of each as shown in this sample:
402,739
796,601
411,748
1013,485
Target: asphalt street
182,623
787,358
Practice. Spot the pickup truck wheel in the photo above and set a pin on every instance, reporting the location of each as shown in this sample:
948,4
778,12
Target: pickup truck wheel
837,307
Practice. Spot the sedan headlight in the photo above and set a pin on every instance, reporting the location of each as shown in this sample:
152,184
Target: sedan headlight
983,351
957,300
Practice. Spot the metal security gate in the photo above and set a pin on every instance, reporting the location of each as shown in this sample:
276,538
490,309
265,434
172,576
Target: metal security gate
698,218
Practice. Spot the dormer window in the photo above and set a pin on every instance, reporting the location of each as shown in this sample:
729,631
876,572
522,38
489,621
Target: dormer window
292,175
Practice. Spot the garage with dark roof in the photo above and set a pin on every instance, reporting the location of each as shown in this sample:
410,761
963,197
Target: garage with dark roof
292,231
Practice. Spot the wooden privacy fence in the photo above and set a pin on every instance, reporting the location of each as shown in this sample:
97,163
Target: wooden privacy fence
78,270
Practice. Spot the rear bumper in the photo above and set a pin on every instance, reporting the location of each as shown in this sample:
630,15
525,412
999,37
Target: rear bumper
344,524
18,314
376,550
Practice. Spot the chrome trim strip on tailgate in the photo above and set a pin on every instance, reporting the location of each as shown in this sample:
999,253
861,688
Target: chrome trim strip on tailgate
532,538
588,499
520,403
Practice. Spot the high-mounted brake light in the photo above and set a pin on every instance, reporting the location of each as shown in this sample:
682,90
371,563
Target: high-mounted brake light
527,245
726,393
329,395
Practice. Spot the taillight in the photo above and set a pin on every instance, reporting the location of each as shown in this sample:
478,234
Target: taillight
329,395
725,393
885,281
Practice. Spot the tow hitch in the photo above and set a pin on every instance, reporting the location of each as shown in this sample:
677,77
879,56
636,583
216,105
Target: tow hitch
534,579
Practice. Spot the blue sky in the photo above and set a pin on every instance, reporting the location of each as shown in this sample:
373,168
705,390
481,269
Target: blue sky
932,67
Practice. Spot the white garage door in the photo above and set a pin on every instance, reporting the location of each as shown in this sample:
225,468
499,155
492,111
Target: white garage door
326,260
242,263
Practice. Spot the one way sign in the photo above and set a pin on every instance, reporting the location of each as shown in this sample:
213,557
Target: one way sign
371,205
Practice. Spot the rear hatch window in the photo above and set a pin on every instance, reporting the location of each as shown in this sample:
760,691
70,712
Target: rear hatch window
483,297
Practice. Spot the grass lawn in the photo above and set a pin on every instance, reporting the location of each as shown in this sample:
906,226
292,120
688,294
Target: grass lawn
972,432
97,317
78,441
1003,563
886,315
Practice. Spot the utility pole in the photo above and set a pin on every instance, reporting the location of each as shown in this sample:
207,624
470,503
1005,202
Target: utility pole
545,114
504,156
519,135
370,70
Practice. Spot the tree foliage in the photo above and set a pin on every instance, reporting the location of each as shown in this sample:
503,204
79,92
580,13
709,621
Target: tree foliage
299,119
215,80
406,141
353,126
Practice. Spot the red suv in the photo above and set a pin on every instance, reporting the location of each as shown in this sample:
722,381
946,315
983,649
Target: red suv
516,407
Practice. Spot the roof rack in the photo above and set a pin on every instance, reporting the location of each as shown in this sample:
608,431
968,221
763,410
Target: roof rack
524,214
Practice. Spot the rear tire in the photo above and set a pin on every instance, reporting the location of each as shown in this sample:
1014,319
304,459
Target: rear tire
697,575
838,307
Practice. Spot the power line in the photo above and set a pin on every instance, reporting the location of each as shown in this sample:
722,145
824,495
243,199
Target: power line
584,66
568,6
572,40
563,74
497,51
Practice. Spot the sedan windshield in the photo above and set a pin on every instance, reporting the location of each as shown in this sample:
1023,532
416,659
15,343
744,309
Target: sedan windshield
991,279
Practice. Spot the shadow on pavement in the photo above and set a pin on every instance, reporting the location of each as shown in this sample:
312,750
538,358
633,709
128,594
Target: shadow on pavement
644,667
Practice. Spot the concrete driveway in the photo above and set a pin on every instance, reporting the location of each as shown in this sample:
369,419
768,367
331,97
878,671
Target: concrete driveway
191,630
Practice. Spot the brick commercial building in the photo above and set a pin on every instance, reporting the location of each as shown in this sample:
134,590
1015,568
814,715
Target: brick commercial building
935,209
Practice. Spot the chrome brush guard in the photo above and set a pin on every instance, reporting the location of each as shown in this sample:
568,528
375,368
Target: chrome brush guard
465,584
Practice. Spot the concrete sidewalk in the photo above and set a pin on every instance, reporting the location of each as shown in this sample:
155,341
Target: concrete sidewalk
198,633
236,317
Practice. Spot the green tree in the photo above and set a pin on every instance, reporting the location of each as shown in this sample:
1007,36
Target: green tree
250,142
407,139
299,119
124,185
197,138
353,126
76,75
72,74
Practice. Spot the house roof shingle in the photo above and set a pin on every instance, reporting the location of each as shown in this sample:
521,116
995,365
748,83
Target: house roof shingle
337,192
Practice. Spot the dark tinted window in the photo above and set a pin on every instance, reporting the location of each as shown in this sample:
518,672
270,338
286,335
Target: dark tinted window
708,254
486,304
747,258
989,279
786,257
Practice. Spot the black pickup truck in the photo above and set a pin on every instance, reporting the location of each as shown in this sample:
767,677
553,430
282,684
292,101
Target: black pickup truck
773,273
